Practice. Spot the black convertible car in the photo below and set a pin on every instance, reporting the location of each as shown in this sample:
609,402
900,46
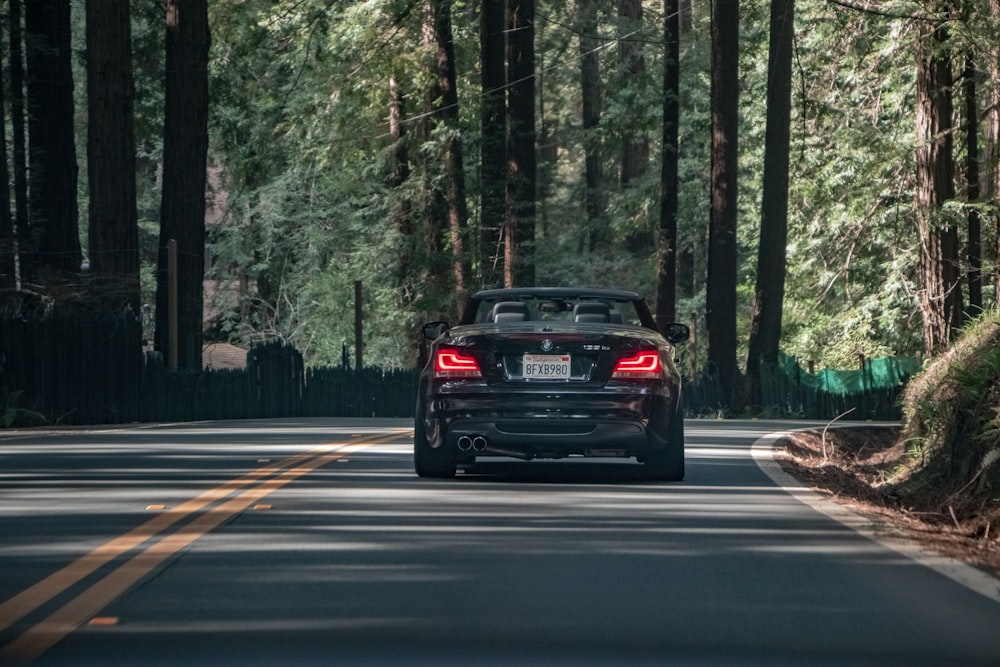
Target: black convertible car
548,372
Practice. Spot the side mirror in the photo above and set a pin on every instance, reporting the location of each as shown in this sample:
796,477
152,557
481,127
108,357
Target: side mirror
432,330
675,332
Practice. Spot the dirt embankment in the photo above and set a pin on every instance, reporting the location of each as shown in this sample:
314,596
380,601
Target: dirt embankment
856,466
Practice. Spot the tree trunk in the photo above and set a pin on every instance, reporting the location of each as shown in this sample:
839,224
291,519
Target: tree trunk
19,156
598,231
684,7
401,214
52,202
438,283
940,286
454,189
720,310
766,315
400,169
666,246
991,154
686,271
493,171
8,267
407,271
635,151
519,232
185,146
113,223
974,246
635,155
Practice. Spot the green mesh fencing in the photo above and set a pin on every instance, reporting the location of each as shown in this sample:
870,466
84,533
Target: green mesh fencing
881,373
788,390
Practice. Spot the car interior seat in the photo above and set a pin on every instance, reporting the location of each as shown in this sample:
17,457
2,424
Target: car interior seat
591,311
510,311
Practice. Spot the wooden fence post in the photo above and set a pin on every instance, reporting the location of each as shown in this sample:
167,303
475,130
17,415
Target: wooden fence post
172,301
358,343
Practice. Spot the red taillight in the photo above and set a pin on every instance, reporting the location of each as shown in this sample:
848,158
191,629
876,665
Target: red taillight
454,364
644,365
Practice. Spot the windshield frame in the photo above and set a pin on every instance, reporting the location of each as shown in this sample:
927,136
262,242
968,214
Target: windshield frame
631,308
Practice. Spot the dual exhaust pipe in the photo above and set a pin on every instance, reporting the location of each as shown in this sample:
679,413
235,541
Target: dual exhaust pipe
472,443
477,444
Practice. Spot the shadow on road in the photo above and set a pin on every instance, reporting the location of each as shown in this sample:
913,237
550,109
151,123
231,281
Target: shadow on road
558,472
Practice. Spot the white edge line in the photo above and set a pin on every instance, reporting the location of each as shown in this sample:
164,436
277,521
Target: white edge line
873,528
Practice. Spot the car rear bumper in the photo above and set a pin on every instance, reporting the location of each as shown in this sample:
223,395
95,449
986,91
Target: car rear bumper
548,437
625,422
549,421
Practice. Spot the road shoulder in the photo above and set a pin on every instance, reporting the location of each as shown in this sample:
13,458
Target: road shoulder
871,525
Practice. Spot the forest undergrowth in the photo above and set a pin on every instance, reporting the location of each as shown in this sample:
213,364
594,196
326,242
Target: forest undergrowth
936,477
855,466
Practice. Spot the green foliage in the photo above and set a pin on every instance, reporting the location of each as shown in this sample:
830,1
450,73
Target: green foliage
301,97
301,160
952,415
852,245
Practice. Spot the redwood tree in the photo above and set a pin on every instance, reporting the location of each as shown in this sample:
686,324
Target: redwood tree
598,231
432,219
720,306
454,170
406,271
765,324
113,226
19,150
938,269
7,245
974,244
185,148
492,123
666,246
991,157
632,64
53,215
519,264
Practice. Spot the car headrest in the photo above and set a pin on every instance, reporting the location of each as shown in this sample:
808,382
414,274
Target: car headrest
591,311
510,311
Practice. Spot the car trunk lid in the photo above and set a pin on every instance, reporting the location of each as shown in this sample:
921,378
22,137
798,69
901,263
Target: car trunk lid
546,355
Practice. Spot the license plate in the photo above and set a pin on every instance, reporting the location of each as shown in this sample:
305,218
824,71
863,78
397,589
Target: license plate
545,366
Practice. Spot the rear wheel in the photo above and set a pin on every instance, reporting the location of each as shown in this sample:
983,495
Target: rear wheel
440,462
667,465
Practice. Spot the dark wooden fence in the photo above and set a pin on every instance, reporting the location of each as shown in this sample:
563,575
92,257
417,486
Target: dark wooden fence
68,365
370,392
275,383
71,367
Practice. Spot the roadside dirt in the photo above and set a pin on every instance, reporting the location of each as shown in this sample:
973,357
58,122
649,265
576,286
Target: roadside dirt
852,465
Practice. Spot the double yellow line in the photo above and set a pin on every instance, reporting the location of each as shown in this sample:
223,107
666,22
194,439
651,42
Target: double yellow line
43,635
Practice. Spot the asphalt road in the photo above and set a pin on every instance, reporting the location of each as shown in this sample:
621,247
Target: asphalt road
312,542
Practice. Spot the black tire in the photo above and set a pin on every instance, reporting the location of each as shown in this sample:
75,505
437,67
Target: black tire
667,465
439,463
